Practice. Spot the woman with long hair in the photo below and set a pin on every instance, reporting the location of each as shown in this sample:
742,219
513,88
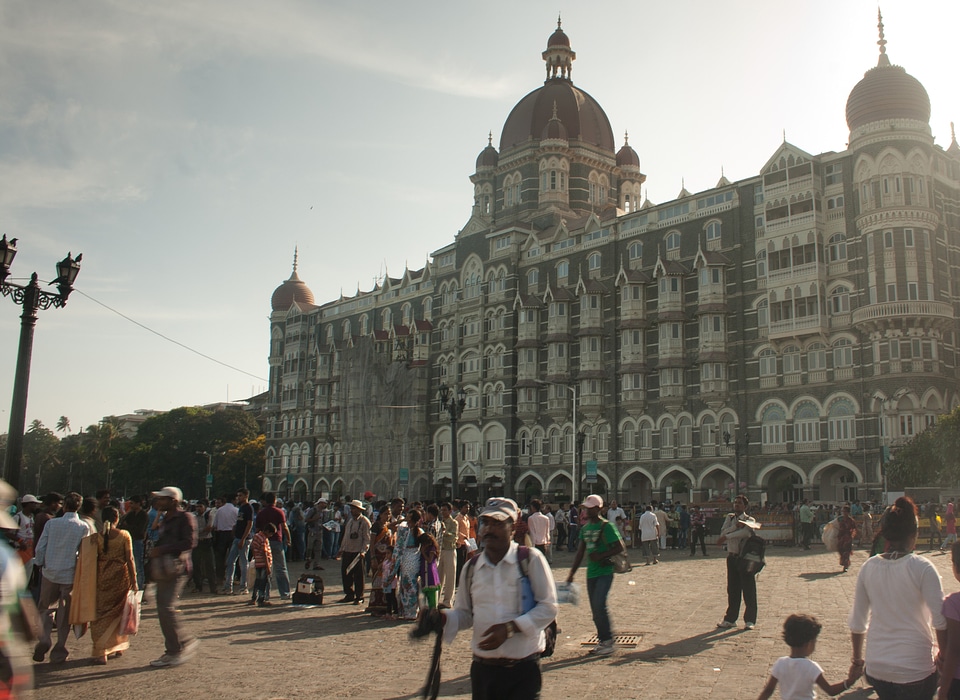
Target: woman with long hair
116,575
846,532
898,599
381,544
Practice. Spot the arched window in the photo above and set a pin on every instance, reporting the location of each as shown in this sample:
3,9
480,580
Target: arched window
806,423
791,359
685,432
768,363
428,308
841,420
563,270
666,433
816,357
762,263
837,247
713,231
593,262
763,314
533,277
774,422
673,241
840,300
636,250
842,353
365,324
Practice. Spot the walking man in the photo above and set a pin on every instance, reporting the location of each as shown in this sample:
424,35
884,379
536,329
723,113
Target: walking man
178,537
223,523
134,521
736,529
573,527
599,540
698,530
355,543
806,524
242,532
57,553
539,526
448,555
650,536
507,636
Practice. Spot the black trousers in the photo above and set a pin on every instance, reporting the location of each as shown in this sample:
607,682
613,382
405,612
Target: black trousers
740,585
520,682
697,533
352,582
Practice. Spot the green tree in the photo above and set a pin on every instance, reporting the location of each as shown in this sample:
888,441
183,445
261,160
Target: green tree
40,452
63,425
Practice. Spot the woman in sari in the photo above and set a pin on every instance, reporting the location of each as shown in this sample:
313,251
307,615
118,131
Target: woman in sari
408,563
847,530
381,545
116,575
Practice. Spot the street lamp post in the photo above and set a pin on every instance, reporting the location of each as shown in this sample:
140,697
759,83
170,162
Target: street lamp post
740,443
209,480
572,388
32,299
453,403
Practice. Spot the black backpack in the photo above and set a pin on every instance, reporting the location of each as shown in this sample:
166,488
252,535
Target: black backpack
551,631
752,558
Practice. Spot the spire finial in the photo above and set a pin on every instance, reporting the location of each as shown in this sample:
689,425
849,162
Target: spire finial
882,43
490,138
953,134
626,138
296,253
558,20
554,110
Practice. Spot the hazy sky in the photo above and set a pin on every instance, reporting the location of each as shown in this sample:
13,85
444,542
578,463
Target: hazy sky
185,148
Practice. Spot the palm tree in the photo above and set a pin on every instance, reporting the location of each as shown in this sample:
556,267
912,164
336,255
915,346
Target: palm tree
63,425
35,425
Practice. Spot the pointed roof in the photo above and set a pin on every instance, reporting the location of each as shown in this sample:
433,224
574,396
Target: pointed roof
292,290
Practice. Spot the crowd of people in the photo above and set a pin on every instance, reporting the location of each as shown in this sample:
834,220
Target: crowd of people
85,561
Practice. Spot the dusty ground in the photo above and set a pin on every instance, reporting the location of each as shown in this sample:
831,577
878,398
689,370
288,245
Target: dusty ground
337,651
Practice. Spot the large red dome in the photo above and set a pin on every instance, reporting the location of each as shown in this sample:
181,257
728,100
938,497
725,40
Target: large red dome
293,290
580,114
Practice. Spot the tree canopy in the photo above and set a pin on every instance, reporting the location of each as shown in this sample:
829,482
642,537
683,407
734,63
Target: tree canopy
931,458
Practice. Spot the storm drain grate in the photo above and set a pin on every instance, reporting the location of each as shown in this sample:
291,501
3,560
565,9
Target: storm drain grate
621,640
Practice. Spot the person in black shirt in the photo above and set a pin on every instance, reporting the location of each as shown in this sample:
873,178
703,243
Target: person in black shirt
134,521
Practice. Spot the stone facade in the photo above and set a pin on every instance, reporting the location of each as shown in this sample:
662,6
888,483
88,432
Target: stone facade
779,331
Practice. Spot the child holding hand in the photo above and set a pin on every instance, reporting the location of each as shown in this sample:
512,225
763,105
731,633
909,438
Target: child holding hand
797,674
263,561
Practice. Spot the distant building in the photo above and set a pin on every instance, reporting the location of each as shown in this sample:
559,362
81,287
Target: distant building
129,423
785,328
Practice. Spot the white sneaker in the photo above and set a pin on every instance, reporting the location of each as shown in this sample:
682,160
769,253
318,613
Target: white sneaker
166,660
726,624
749,625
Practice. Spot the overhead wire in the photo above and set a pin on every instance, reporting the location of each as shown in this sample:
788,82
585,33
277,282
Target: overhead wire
166,337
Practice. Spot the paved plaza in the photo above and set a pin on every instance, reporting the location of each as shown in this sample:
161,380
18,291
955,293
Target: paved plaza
337,651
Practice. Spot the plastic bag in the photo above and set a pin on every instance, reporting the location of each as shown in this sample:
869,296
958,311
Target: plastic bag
831,532
130,620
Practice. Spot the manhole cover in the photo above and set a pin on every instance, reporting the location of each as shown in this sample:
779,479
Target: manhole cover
621,640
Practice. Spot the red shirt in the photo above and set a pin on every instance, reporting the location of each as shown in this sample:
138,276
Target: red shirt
272,514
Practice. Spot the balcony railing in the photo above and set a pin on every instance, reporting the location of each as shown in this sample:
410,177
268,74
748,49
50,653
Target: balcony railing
895,309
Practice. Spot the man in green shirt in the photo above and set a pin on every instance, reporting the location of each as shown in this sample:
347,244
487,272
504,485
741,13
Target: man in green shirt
600,540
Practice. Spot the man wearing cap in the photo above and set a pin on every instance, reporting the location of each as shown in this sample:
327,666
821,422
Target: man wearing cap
736,529
355,543
178,538
600,540
29,505
507,638
57,554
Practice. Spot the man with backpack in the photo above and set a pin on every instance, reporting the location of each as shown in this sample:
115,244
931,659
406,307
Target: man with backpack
737,529
516,600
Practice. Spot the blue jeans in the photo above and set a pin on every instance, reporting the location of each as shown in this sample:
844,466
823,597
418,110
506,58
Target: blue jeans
573,542
239,550
329,543
261,587
597,590
138,560
280,568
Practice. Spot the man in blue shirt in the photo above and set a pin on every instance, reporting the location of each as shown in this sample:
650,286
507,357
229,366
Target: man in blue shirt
57,553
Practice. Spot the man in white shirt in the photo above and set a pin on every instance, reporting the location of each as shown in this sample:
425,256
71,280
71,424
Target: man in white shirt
507,639
539,525
736,529
57,554
650,536
617,516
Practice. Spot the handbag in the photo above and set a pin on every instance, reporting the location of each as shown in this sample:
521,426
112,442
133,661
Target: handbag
167,567
620,561
130,619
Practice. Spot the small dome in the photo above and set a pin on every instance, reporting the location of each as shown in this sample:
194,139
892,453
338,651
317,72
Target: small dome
558,38
292,290
554,128
488,157
626,156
